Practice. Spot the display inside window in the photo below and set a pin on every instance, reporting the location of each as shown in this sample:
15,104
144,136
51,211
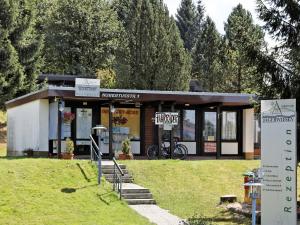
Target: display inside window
189,124
229,125
210,126
126,124
176,128
68,117
83,123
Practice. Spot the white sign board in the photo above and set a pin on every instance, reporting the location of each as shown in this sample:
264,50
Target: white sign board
87,87
278,161
169,118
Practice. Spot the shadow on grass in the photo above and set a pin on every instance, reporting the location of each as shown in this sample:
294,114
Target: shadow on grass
108,197
224,216
83,173
72,190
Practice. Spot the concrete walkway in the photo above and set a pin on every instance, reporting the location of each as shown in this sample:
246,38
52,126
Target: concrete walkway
157,215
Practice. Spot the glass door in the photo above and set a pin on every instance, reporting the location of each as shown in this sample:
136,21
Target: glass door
210,133
83,130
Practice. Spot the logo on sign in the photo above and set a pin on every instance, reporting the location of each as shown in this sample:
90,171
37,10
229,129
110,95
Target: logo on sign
87,87
275,113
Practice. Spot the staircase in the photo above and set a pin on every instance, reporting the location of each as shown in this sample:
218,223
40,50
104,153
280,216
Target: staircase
133,194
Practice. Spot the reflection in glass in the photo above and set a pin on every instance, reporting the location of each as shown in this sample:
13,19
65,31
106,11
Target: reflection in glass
210,124
189,124
228,125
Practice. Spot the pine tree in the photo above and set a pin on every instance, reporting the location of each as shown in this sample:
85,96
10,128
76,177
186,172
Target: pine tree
82,36
155,49
206,57
241,37
186,19
20,47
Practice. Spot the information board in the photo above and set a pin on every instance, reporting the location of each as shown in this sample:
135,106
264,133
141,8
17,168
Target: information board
87,87
278,161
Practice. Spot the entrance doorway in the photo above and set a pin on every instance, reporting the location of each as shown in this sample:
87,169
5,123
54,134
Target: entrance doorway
209,138
83,130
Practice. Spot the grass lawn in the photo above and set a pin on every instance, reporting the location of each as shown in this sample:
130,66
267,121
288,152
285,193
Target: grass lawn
49,191
193,188
2,149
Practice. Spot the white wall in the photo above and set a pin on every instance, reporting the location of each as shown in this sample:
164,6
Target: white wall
28,127
191,147
230,148
248,130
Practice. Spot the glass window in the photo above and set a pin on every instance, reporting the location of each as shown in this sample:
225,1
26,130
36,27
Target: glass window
126,124
176,129
229,124
210,125
189,124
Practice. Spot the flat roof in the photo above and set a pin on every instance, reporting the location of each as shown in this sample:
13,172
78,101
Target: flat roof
142,96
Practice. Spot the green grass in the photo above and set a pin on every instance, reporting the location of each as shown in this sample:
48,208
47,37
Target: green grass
193,188
49,191
2,149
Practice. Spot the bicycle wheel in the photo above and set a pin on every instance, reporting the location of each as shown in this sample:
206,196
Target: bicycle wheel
184,148
178,153
152,152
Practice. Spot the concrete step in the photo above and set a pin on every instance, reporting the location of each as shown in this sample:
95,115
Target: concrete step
140,201
126,180
135,191
111,171
112,166
112,175
137,195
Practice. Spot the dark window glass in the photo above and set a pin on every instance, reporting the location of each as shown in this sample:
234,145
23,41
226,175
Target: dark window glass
210,125
189,124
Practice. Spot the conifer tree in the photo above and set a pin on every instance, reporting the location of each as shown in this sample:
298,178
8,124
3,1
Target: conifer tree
20,47
241,37
206,57
155,49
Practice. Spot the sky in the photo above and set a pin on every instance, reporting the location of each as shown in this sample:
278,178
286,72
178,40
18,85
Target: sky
219,11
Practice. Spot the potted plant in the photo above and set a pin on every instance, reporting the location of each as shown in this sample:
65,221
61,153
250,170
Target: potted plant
126,150
68,154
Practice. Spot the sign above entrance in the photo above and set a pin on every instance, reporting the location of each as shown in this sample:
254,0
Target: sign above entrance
120,95
166,118
279,162
87,87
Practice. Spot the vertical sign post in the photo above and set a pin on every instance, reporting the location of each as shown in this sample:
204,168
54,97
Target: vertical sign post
279,162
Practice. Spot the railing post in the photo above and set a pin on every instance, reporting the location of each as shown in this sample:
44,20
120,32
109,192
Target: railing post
91,151
121,187
114,178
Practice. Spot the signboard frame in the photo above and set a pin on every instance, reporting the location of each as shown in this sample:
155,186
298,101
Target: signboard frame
279,161
87,87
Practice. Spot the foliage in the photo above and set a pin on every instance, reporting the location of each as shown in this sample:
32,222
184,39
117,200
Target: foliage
81,37
107,77
126,146
155,58
54,191
241,37
19,49
189,20
206,57
282,21
69,146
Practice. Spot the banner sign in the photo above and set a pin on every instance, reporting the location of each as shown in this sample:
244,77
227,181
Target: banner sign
169,118
279,162
87,87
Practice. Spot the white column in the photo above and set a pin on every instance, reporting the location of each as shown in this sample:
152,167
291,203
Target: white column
248,133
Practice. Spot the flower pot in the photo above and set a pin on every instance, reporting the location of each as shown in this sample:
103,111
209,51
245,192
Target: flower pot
66,155
124,157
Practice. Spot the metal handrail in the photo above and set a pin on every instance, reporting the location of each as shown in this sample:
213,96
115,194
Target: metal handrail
98,156
117,180
118,167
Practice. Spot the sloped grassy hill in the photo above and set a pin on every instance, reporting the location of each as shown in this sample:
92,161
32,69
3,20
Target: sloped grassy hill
193,188
49,191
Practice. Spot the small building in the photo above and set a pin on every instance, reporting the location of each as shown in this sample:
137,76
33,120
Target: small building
210,124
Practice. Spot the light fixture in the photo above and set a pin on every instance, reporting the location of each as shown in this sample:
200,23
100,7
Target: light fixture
112,109
187,104
84,103
61,106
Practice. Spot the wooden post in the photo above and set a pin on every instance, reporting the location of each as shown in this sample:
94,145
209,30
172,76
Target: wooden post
110,118
219,127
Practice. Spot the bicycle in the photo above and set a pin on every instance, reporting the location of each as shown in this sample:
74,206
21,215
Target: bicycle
180,151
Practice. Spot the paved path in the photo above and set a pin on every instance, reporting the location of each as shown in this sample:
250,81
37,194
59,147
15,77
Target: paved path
157,215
